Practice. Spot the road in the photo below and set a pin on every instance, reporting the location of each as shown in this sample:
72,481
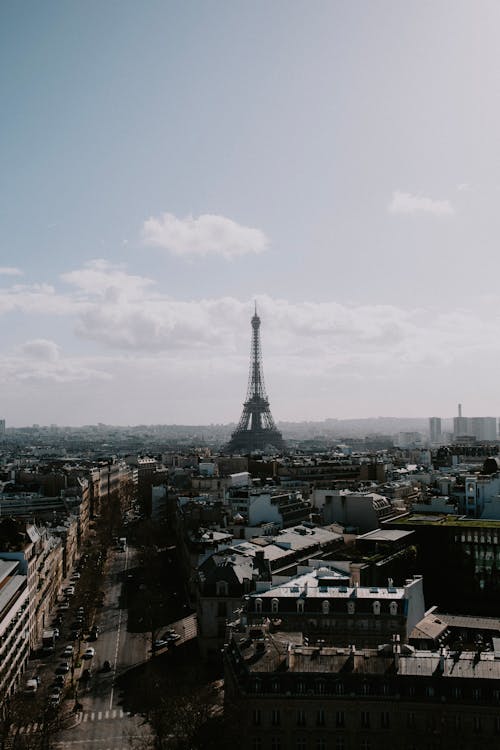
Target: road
102,724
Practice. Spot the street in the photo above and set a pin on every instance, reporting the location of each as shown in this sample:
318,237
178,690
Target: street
102,723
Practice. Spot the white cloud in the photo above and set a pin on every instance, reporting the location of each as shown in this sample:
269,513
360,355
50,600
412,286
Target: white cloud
406,203
101,278
41,360
36,299
206,235
43,350
10,271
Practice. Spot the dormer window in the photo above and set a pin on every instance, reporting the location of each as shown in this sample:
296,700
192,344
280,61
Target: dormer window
300,606
325,606
275,605
258,605
393,608
221,588
376,608
350,608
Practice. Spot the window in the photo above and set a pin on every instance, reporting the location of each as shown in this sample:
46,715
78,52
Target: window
476,722
256,716
458,721
301,686
340,719
276,686
365,718
339,743
320,687
497,725
339,688
321,743
258,605
365,745
256,743
410,720
351,608
301,718
457,692
393,608
276,717
301,743
256,685
221,588
300,606
275,743
275,605
376,608
320,717
429,691
476,694
325,607
384,720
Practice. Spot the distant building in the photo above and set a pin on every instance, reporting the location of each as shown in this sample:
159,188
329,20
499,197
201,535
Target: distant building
482,429
2,427
361,511
435,430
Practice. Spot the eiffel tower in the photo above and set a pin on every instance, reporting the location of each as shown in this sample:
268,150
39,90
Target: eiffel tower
256,429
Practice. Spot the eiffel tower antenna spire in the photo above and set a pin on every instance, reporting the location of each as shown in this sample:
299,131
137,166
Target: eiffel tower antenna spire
256,429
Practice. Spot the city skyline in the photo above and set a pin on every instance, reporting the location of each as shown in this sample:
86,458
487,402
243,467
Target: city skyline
166,166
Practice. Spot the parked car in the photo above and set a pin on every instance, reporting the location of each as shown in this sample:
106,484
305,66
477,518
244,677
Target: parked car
69,590
160,643
30,687
55,697
76,633
89,653
76,576
56,632
172,637
68,651
62,668
59,681
64,605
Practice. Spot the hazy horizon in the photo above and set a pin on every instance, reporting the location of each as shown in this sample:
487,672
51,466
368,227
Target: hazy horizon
166,164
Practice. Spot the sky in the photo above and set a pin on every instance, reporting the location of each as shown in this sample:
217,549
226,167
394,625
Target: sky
164,165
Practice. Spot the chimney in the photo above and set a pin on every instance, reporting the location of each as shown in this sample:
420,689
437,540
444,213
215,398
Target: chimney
460,410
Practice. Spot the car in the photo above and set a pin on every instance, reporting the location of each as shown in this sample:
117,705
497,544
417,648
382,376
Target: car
76,576
30,687
68,651
76,633
56,632
64,605
59,681
172,637
55,697
89,653
160,643
69,590
62,668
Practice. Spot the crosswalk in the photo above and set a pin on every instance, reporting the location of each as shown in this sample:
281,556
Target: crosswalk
114,713
35,726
